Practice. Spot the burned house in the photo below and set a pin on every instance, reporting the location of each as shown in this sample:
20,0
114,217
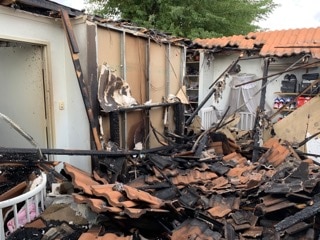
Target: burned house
53,105
114,135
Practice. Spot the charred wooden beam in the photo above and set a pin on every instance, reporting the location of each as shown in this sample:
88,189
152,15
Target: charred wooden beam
81,152
115,126
257,128
74,50
298,217
216,225
143,107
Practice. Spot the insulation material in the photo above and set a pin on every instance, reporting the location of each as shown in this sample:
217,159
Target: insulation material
108,51
113,91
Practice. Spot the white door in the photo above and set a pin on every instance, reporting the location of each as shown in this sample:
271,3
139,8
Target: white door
22,94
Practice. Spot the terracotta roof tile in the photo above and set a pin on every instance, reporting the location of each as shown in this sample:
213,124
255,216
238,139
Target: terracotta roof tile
253,232
276,153
239,170
136,212
272,43
220,210
219,182
92,233
194,229
167,172
135,194
97,205
80,179
193,176
115,198
98,178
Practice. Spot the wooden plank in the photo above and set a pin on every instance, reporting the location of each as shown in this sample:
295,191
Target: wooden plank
295,126
74,50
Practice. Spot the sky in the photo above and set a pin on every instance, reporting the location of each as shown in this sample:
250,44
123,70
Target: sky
290,14
293,14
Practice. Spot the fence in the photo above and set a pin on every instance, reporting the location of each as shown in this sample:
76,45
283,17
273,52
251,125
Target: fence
37,195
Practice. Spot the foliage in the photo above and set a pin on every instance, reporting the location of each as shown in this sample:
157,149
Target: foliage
186,18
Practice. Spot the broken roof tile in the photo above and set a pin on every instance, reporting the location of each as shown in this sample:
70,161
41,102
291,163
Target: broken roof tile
92,233
193,176
98,178
194,229
135,194
239,170
253,232
81,179
219,211
97,205
221,206
136,212
115,198
219,182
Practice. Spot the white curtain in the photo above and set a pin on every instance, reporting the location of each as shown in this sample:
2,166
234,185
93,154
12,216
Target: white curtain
245,97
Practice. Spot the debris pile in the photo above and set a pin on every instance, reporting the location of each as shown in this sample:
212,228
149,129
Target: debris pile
181,196
196,194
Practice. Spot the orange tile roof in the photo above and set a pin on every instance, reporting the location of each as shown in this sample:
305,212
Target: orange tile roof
271,43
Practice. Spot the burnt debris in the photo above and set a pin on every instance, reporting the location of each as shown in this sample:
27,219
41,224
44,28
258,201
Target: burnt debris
209,195
195,194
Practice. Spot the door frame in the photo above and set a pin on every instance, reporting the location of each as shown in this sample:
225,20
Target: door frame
47,82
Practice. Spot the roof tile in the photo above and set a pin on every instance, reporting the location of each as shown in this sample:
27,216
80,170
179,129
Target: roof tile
274,43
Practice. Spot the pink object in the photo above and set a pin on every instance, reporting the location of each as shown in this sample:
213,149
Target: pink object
22,217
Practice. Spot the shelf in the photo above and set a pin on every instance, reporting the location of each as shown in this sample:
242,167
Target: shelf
286,94
293,94
191,81
193,89
192,76
287,110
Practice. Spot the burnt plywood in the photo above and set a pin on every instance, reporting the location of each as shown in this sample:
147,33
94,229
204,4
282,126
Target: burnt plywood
109,48
175,74
151,70
295,126
175,65
157,72
108,51
135,56
136,67
157,86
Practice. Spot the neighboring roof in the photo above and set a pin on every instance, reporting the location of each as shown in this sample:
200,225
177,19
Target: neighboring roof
271,43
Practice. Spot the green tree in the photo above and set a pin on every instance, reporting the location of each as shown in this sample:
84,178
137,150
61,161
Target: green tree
186,18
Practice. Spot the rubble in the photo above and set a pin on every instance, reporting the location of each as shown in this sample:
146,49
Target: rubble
183,195
205,187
